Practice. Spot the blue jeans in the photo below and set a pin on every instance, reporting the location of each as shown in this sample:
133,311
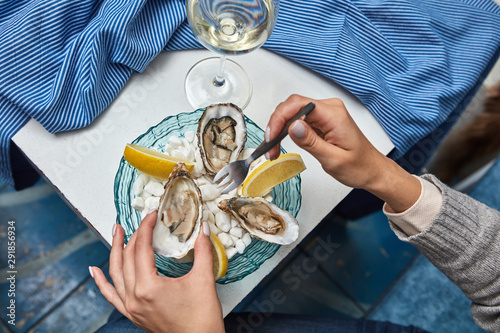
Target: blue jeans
274,322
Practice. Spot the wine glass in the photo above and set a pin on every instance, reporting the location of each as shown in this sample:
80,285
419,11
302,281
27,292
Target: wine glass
229,28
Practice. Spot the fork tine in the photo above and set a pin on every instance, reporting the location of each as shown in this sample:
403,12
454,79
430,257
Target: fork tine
225,181
231,187
221,173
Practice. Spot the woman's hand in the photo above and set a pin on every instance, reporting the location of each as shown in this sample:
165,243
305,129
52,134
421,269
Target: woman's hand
333,138
156,303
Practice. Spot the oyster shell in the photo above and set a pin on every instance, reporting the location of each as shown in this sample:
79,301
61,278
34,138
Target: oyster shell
222,135
262,219
179,215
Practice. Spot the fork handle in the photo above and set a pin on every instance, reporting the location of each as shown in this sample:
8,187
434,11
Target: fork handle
266,146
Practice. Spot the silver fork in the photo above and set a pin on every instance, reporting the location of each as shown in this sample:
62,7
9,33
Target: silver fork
237,171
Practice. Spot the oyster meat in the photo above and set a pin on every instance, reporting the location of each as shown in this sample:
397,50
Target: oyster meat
179,215
222,135
262,219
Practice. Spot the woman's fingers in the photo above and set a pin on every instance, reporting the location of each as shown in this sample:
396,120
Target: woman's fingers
145,267
308,139
107,290
283,113
115,260
129,265
203,258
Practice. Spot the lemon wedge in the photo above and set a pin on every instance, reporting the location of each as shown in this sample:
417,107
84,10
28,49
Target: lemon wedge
271,173
152,162
220,257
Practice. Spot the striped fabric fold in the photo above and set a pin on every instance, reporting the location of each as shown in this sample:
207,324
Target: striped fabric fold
412,63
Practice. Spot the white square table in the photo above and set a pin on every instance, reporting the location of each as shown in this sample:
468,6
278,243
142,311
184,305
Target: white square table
82,164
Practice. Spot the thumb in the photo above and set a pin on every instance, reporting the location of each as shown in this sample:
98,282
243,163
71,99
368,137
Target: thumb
306,138
203,258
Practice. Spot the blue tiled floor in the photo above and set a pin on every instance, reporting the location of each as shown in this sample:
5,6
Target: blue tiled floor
305,289
368,259
486,191
53,251
85,303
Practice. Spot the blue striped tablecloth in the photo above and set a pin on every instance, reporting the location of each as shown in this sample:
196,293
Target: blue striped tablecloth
411,62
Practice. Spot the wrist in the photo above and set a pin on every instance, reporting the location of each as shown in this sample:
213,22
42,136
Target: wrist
395,186
383,172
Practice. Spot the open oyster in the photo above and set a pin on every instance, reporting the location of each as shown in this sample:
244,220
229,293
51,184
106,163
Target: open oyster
222,134
179,215
262,219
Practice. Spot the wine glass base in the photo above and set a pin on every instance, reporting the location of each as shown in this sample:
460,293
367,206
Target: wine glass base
201,90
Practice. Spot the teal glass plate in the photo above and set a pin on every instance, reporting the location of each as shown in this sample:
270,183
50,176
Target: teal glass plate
286,196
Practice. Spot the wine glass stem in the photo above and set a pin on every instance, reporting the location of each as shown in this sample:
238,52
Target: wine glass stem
219,80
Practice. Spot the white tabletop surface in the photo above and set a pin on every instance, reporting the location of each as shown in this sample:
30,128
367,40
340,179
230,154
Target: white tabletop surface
82,164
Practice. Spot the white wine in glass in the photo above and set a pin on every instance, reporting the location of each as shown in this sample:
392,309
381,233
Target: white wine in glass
228,28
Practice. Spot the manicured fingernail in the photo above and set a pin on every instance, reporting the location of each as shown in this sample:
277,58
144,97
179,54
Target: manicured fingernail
266,134
206,229
91,272
268,156
113,231
298,129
